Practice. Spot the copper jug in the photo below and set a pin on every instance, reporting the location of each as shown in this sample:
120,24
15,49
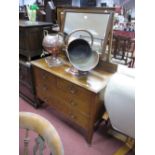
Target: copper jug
52,43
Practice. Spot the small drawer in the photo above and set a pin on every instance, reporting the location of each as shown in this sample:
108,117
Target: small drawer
74,92
75,103
40,91
82,107
56,103
72,115
67,86
43,76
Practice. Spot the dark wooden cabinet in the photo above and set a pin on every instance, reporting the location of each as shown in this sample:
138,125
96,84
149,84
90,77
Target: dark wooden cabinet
30,48
26,84
30,38
30,42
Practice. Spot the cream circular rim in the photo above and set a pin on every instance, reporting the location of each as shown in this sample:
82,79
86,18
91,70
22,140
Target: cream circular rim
40,125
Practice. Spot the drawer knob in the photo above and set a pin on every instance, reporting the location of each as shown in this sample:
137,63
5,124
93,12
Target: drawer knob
72,90
72,116
44,87
73,103
44,76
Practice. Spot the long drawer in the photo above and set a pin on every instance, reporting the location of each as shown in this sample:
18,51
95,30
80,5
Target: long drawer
77,118
75,96
72,101
70,113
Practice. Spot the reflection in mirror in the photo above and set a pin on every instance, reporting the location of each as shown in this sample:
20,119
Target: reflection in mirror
98,23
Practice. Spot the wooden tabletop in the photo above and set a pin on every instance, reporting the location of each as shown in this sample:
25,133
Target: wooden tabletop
95,81
27,23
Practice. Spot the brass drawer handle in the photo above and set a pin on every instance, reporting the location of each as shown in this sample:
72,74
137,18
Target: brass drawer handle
45,88
72,90
72,116
73,103
44,76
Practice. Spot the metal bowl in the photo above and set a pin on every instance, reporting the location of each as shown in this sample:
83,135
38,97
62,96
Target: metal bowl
81,55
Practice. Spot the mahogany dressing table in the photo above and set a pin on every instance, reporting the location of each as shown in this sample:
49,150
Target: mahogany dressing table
75,99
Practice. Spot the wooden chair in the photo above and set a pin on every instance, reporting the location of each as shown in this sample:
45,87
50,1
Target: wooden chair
46,131
131,53
123,49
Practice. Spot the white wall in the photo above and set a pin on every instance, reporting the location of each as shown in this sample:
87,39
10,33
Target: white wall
98,2
75,3
25,2
110,3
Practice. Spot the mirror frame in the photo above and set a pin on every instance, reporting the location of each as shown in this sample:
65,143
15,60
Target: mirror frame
108,36
60,11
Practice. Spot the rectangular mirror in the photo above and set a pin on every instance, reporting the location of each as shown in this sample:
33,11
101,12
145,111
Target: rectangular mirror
98,23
